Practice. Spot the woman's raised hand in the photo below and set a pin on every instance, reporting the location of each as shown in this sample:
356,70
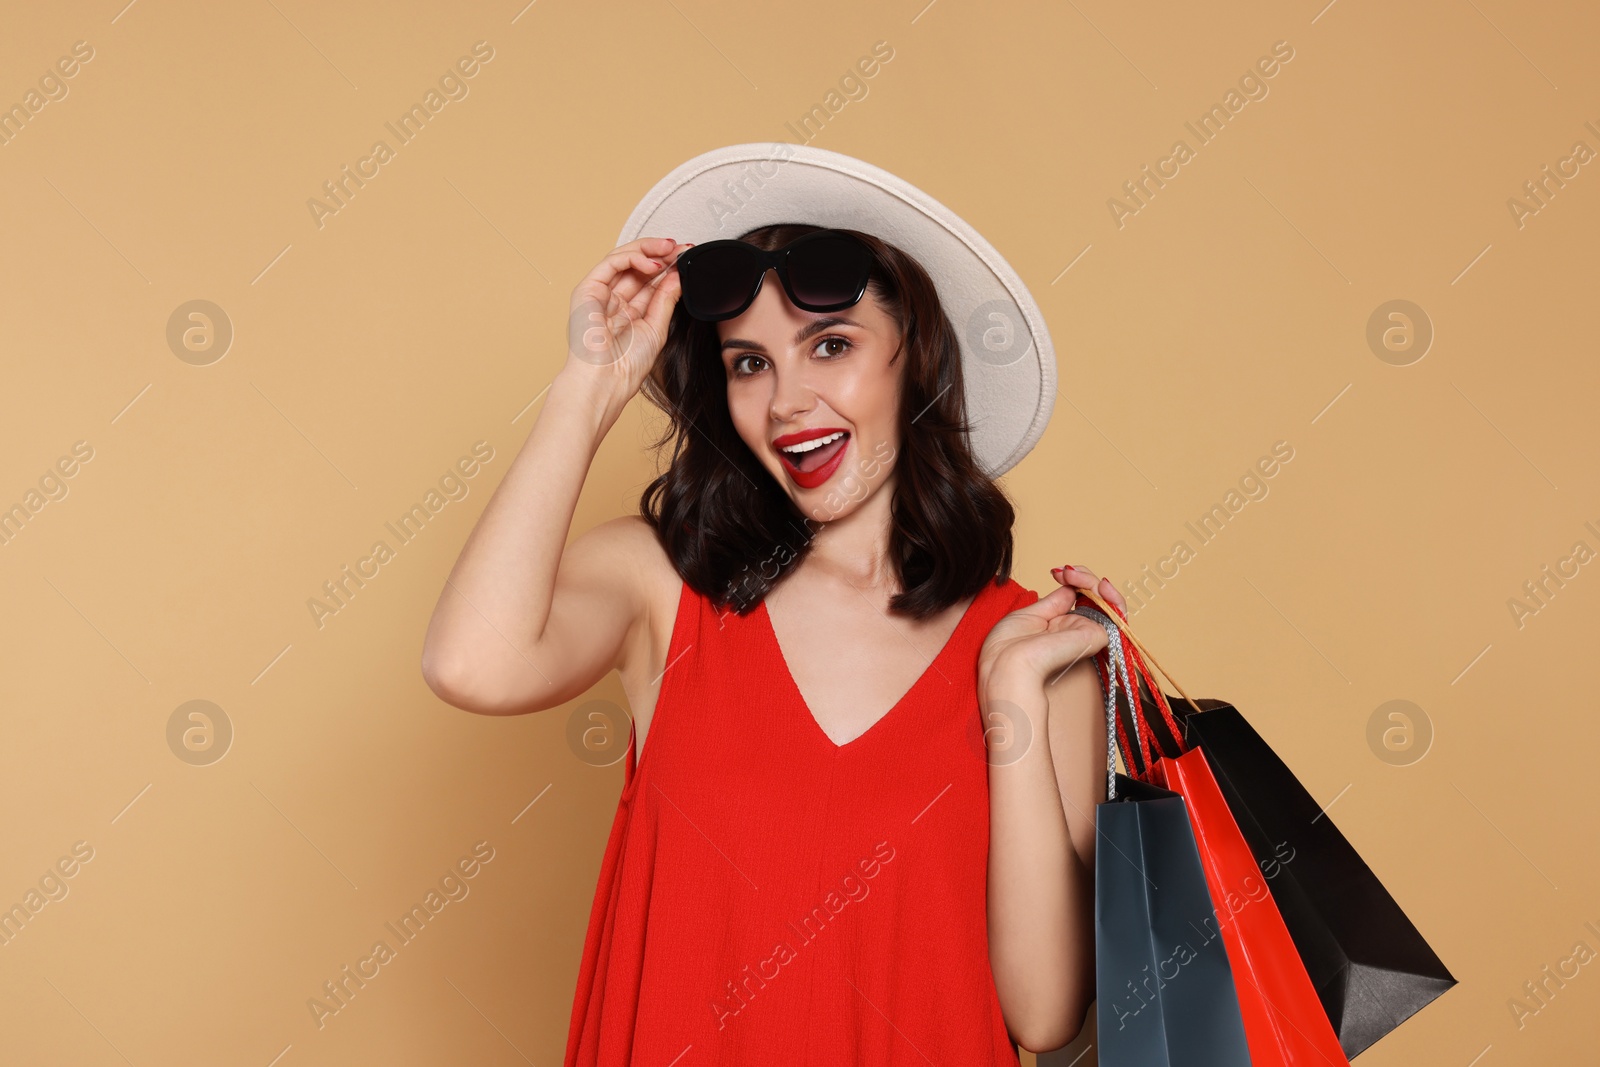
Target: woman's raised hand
1036,643
619,314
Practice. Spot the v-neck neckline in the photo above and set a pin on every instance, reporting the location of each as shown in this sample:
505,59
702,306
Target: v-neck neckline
966,620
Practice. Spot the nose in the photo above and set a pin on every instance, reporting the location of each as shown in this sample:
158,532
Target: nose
792,395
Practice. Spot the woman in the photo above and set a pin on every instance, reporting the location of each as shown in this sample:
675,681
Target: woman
796,874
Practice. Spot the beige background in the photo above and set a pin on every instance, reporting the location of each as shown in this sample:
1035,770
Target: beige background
370,353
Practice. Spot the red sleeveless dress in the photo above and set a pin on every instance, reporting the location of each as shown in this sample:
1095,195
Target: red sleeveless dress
768,896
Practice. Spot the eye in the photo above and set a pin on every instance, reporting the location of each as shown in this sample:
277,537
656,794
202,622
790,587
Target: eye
737,365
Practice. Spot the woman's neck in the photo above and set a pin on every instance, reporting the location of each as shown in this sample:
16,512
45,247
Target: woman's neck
855,548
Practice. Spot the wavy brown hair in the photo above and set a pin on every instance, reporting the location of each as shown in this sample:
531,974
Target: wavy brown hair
731,531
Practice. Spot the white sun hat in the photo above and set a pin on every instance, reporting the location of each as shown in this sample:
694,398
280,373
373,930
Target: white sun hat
1008,363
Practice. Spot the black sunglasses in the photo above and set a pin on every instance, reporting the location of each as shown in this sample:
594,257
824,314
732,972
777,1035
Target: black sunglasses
825,270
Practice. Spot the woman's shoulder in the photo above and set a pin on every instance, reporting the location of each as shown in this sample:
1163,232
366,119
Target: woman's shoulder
635,555
1013,594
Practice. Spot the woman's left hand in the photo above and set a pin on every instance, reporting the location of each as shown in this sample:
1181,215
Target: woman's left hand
1032,645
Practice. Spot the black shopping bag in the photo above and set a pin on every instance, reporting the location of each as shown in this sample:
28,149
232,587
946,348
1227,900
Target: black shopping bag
1371,966
1164,991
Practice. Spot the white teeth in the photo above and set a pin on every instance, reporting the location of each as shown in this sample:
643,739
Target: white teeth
815,442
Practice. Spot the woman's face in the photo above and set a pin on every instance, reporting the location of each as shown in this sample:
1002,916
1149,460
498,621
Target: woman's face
797,377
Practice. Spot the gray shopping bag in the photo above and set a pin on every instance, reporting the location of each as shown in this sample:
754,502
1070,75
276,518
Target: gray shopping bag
1164,990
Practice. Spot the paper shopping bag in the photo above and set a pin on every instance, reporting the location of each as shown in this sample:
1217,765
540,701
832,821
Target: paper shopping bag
1370,965
1164,990
1284,1022
1283,1015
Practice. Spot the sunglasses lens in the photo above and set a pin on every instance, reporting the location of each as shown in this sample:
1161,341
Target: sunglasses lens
719,279
829,272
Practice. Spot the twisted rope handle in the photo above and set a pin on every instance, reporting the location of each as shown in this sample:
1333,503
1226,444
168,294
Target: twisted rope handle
1125,645
1141,655
1112,668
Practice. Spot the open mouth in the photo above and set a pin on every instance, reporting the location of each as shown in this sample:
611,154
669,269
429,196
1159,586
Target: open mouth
811,462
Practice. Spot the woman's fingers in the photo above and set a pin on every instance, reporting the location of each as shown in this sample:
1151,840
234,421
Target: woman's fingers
1083,578
1056,602
1068,640
642,273
618,294
627,257
1114,597
642,300
627,267
659,312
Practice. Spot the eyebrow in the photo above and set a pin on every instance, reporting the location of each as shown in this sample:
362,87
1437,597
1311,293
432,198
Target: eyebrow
815,326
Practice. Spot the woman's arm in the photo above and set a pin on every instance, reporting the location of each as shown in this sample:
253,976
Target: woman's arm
1038,676
525,621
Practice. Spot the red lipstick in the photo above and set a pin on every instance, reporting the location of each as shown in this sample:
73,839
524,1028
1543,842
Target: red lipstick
811,468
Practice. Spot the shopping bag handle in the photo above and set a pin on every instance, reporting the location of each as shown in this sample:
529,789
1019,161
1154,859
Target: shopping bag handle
1139,654
1112,667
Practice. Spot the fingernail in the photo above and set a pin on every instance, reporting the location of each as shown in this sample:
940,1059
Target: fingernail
1068,567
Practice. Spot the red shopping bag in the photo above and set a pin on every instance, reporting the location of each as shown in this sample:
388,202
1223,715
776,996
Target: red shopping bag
1285,1023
